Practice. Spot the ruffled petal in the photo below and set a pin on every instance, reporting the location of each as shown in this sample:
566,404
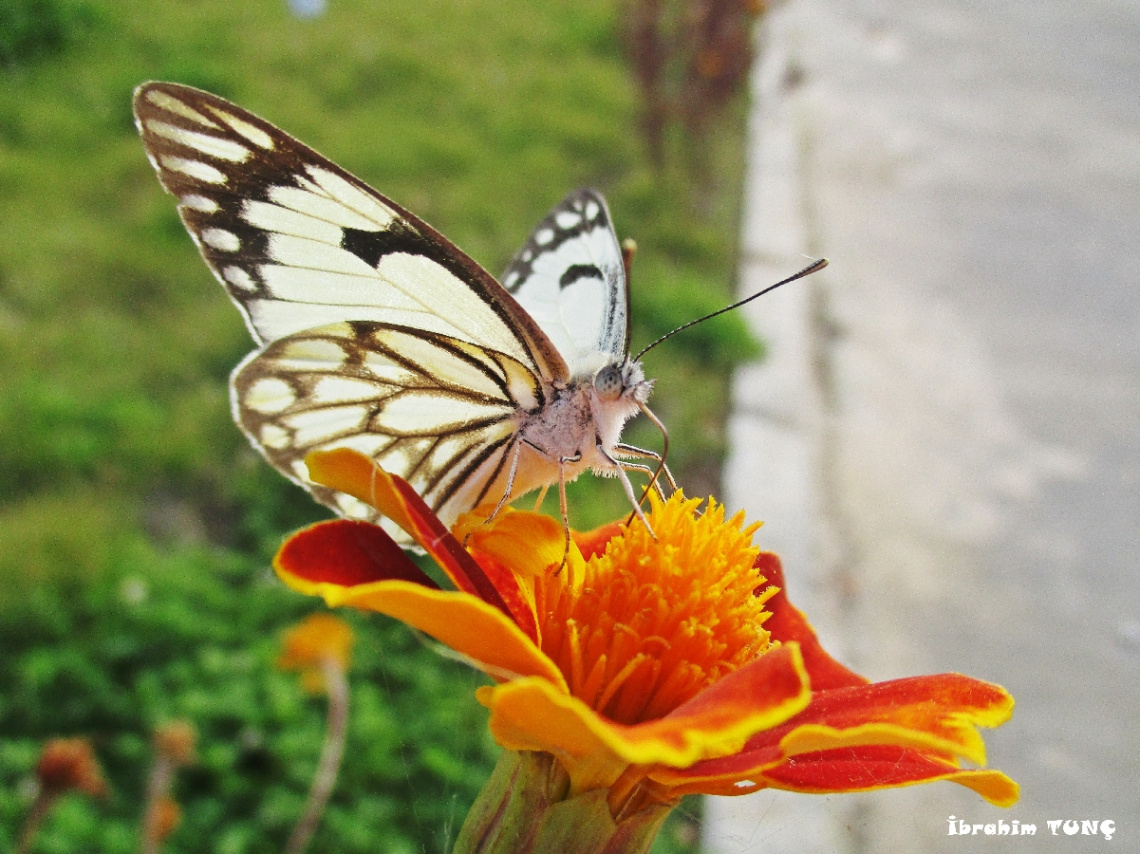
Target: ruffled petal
594,542
345,553
528,543
881,766
788,623
939,713
906,731
532,715
355,474
516,547
857,769
471,627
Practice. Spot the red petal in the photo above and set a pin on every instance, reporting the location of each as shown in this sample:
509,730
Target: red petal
934,716
877,767
594,542
353,473
858,769
347,553
506,582
943,711
539,715
769,687
853,768
788,623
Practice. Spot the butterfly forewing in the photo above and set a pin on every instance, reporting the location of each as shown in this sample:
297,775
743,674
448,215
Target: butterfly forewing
378,334
569,276
300,243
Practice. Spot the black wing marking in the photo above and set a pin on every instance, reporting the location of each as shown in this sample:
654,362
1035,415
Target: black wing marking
300,243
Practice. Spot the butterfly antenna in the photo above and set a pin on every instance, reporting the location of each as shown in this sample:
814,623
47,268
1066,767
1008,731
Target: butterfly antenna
813,267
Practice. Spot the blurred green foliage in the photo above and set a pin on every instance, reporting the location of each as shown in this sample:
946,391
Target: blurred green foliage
136,525
193,635
30,29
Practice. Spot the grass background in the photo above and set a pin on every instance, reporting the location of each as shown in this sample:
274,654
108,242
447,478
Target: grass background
136,525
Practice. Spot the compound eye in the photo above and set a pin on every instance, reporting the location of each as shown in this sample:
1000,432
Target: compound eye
608,383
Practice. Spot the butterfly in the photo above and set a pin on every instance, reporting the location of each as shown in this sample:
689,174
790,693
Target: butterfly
376,333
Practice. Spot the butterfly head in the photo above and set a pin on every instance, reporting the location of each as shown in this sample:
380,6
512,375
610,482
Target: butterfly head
608,382
625,379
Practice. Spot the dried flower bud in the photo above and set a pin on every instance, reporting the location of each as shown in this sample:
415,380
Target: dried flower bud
69,763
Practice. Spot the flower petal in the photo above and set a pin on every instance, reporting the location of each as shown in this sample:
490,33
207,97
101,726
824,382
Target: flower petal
467,624
788,623
529,543
939,713
514,548
877,767
351,472
346,553
857,769
923,722
529,714
594,542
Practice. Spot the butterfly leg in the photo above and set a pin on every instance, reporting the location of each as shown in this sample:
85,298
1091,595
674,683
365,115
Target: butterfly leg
541,497
562,504
511,472
657,472
509,488
565,513
661,467
625,482
648,471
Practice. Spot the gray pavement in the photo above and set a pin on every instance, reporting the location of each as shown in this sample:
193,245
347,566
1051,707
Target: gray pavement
945,442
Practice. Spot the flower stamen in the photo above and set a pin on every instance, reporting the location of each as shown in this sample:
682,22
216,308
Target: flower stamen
652,621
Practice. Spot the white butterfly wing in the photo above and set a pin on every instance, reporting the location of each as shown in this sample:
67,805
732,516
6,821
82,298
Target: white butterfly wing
377,332
570,278
300,243
435,410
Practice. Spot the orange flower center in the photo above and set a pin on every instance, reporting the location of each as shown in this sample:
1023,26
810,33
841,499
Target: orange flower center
651,622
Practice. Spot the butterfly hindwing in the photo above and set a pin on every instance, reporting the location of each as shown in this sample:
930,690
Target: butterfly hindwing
570,277
434,410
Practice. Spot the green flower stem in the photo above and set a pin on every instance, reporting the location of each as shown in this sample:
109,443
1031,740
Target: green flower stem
524,809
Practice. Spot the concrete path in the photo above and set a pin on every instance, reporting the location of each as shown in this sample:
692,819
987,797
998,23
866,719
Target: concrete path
945,442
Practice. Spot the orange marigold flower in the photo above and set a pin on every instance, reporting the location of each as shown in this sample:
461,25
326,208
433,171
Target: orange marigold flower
168,815
313,644
644,668
650,623
320,646
175,741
